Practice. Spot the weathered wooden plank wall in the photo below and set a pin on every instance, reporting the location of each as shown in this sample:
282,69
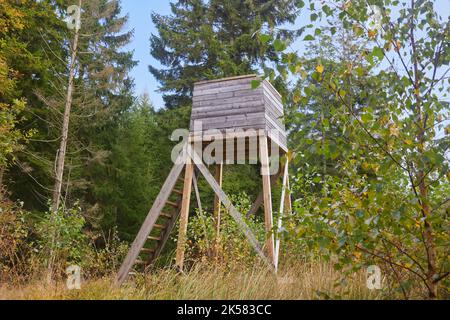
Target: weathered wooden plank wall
231,103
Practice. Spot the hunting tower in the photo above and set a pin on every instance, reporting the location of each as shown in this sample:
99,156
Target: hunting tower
231,122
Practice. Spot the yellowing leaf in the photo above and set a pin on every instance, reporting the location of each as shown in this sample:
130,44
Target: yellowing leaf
304,74
393,129
387,46
319,68
372,34
297,97
346,5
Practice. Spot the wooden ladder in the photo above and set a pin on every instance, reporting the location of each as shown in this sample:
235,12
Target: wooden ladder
158,224
161,231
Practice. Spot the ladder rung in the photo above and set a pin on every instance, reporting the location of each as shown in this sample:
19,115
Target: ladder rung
131,273
159,226
167,215
154,238
180,192
173,204
146,250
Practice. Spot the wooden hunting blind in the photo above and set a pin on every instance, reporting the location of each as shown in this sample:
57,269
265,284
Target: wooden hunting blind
223,110
232,104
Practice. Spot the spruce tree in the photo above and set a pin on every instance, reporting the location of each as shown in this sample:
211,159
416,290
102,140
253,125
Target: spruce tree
102,92
206,40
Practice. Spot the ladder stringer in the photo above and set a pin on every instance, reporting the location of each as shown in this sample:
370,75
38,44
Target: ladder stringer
151,219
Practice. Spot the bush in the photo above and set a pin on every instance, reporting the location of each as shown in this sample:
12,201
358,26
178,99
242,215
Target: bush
16,251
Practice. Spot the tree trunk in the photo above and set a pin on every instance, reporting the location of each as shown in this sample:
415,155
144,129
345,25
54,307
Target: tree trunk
428,236
61,154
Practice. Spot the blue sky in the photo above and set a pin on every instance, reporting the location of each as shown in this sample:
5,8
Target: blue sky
139,12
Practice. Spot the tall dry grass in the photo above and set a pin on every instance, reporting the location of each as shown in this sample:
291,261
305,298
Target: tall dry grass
297,281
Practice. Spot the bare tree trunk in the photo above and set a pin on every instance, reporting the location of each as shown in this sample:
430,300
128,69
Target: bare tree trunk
61,154
65,128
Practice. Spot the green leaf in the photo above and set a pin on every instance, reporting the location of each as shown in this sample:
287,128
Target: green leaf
366,117
279,45
360,71
300,3
378,52
327,10
256,84
309,38
264,38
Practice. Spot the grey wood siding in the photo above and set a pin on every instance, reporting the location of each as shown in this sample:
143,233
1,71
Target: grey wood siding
232,104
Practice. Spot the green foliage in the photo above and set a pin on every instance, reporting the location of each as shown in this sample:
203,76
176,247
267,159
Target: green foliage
208,40
11,103
25,244
386,200
140,160
61,232
11,138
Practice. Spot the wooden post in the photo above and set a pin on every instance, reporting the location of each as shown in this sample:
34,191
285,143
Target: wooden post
217,206
267,195
184,215
284,207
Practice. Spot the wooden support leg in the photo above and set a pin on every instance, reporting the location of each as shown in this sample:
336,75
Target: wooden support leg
267,195
284,208
184,214
217,206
